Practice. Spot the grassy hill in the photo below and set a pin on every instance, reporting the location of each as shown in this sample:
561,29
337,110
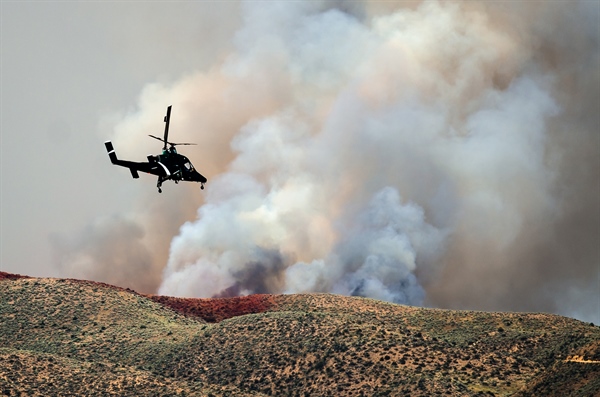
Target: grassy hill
71,337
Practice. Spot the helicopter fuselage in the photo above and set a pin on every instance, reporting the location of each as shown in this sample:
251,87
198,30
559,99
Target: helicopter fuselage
175,166
169,165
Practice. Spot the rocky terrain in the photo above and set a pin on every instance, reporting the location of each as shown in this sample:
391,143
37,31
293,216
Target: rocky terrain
65,337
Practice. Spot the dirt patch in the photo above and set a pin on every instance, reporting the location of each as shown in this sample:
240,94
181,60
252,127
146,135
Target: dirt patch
10,276
214,310
581,359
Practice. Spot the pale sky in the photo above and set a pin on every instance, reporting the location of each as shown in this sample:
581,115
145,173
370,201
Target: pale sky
66,68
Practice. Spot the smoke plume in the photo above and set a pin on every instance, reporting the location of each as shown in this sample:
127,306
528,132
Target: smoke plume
114,242
437,153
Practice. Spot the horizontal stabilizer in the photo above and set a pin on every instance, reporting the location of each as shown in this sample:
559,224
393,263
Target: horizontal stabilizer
134,173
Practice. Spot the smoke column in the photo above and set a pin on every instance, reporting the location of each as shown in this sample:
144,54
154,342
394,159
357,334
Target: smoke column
431,153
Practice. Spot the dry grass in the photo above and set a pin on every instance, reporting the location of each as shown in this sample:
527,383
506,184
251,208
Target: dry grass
62,337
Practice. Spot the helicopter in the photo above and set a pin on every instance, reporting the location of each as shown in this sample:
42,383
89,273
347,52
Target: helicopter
169,165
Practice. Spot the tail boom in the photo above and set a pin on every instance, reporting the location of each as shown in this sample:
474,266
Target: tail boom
133,166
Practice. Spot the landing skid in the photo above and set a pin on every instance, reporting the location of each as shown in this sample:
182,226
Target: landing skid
161,180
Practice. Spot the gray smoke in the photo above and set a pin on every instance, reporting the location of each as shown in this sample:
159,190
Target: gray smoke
438,153
377,254
112,251
262,275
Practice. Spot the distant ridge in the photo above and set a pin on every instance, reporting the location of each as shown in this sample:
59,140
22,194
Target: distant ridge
10,276
65,337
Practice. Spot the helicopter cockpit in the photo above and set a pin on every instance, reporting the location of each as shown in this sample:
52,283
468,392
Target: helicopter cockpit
185,163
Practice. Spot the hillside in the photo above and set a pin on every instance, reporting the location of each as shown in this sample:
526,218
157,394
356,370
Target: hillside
70,337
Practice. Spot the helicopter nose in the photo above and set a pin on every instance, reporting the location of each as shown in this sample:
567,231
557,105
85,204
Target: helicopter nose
194,176
199,177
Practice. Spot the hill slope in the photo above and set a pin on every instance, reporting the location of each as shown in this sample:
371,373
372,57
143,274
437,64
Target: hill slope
70,337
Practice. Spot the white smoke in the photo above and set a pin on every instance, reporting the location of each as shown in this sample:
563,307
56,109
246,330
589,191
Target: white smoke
442,153
406,102
377,256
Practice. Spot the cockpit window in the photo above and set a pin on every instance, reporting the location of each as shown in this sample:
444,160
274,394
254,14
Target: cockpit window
187,165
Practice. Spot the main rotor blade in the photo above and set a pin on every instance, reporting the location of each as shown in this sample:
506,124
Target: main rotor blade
170,143
155,137
167,120
177,144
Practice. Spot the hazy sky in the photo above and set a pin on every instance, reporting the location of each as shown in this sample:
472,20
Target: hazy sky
67,69
431,153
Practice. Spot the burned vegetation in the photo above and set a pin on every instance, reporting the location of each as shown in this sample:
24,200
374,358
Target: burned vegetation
66,337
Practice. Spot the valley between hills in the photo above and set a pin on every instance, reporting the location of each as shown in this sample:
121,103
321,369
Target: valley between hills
65,337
